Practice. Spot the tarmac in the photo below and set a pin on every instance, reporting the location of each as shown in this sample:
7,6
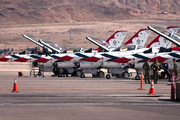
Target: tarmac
74,98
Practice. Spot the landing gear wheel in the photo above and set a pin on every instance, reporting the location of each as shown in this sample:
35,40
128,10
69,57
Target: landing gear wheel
78,73
137,77
82,75
108,76
126,74
101,74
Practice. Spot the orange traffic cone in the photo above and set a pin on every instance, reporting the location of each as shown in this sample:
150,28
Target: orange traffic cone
151,90
15,89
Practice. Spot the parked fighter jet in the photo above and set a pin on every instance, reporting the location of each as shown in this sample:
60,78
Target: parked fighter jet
53,48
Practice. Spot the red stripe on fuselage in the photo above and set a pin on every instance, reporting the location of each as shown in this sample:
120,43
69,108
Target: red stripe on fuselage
65,58
122,60
91,59
160,59
21,59
4,59
41,60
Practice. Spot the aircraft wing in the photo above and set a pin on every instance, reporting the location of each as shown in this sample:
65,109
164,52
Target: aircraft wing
167,34
96,43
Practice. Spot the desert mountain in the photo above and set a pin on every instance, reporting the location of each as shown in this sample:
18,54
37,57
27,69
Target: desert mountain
52,11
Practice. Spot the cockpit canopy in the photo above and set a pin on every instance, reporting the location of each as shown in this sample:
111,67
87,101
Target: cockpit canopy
127,48
38,40
166,33
53,44
100,41
73,50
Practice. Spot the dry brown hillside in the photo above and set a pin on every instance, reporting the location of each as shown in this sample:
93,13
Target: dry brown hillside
38,11
156,6
58,11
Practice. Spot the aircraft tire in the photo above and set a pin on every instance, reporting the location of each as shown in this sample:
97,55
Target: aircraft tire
78,73
137,77
108,76
101,74
82,75
126,74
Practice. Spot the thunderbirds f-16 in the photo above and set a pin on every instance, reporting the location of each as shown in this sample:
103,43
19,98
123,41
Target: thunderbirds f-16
124,54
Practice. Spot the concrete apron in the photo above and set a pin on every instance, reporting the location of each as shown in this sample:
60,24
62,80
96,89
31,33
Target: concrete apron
15,66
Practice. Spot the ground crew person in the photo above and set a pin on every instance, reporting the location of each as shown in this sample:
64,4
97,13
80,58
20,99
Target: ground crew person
65,72
176,69
45,51
36,51
155,68
147,69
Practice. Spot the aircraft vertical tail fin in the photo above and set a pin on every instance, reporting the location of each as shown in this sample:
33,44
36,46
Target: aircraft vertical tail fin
139,38
116,39
155,42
